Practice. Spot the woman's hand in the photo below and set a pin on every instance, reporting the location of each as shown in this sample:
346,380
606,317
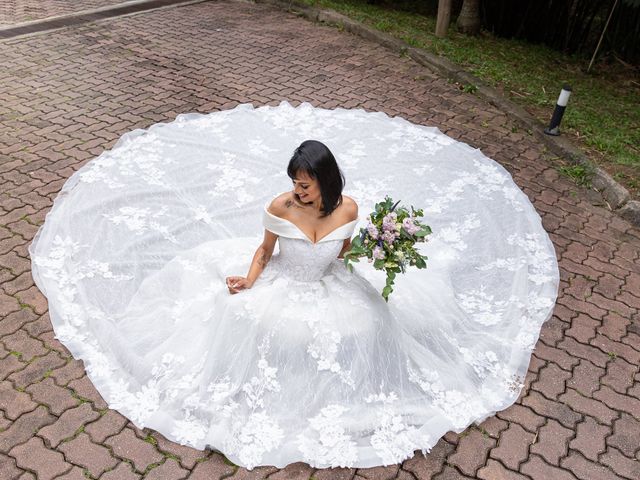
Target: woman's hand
235,284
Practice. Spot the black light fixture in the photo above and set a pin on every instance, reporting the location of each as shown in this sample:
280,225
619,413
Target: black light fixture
561,104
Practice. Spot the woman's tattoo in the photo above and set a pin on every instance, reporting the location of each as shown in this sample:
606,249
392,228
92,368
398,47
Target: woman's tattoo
263,259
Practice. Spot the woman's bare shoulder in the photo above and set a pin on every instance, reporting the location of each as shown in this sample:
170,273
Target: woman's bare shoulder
280,203
350,207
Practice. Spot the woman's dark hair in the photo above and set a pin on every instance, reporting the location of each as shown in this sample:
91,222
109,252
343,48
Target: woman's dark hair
317,161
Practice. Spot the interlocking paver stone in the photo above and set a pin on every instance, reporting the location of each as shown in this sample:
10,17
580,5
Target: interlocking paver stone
389,472
471,452
8,304
553,331
212,467
586,470
123,471
127,446
619,402
186,455
552,354
588,406
583,328
585,378
83,452
493,426
552,442
426,466
496,471
99,80
585,351
626,432
72,370
13,402
548,408
18,11
523,416
513,446
623,466
85,389
450,473
33,455
109,424
35,328
622,350
263,472
68,423
538,469
171,470
12,261
8,468
58,399
12,322
10,364
590,438
4,422
75,473
36,370
23,428
22,281
293,471
551,381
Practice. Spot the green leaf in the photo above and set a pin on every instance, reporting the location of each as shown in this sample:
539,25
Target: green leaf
386,291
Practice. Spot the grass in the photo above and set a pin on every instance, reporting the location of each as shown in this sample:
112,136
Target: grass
581,174
603,115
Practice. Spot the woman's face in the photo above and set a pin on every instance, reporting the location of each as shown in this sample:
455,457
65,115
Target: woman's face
306,188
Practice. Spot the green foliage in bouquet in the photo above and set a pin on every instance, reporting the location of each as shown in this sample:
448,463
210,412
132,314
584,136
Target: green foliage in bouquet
388,241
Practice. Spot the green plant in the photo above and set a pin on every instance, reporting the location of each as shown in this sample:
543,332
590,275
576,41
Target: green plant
581,174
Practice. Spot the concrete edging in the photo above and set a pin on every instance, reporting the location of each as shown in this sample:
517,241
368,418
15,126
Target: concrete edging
617,197
80,17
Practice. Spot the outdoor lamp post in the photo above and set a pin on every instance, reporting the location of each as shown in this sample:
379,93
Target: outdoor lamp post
561,104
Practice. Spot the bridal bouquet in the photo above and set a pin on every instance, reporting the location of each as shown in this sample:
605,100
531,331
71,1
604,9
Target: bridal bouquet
388,241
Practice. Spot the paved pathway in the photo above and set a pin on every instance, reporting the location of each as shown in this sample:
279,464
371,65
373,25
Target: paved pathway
19,11
67,95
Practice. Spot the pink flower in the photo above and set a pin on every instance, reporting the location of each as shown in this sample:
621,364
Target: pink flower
378,253
389,222
373,230
389,237
409,226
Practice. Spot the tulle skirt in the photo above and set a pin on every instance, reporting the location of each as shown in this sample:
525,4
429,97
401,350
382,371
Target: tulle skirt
134,253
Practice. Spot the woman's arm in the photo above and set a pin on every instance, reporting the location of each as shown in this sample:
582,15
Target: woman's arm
262,256
346,245
352,209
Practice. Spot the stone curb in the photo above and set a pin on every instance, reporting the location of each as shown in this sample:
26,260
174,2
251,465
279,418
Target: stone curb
86,16
617,197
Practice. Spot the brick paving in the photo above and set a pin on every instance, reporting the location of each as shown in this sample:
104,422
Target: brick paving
19,11
67,95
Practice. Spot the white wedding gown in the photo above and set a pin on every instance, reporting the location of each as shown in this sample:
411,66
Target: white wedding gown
310,364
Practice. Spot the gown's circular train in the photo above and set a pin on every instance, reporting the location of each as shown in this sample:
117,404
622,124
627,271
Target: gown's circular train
310,364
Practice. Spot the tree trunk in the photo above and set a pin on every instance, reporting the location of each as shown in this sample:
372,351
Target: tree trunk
444,18
469,18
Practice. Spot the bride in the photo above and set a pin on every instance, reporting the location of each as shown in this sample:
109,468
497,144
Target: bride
141,259
316,179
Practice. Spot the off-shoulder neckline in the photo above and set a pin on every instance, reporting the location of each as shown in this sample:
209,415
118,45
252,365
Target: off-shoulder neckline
302,231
